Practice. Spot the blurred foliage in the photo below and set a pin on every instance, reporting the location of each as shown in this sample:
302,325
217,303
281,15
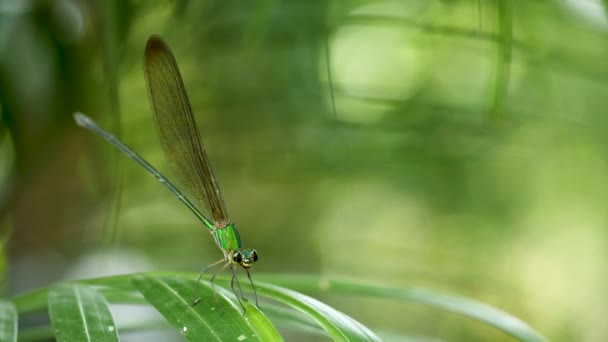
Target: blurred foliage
466,151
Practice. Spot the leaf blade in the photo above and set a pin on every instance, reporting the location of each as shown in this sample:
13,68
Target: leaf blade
338,325
8,321
171,296
459,305
80,313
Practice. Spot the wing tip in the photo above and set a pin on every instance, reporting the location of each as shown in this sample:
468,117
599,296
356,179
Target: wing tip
155,43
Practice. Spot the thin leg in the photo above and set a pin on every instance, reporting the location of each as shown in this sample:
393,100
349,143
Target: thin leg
198,281
213,285
235,278
255,293
239,285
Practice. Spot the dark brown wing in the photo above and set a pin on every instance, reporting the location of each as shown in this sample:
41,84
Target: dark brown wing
178,131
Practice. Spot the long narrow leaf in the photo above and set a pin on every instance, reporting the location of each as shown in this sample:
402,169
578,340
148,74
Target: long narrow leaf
80,313
456,304
113,288
292,320
172,296
338,325
8,322
32,301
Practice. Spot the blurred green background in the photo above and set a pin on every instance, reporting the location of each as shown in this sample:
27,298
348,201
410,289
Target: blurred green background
466,152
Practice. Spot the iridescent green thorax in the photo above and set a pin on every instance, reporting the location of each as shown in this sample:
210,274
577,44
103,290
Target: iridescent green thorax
229,241
227,238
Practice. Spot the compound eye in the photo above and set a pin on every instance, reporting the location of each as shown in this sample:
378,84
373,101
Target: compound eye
236,257
255,255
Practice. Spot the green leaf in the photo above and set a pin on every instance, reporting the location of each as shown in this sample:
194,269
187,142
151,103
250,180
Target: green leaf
80,313
8,321
456,304
338,325
29,302
171,295
116,289
287,318
120,289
